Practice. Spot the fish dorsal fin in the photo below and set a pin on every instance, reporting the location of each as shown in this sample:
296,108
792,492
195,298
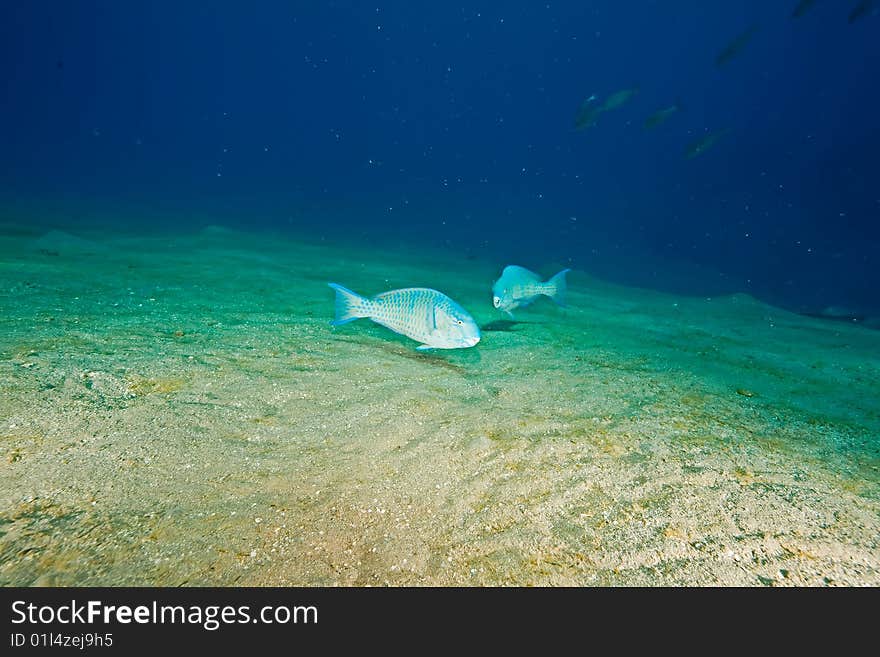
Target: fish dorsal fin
520,273
396,293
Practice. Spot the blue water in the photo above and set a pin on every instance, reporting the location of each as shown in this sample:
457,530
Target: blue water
453,125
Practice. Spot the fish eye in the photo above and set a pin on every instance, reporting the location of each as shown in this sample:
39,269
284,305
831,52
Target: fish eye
460,323
496,301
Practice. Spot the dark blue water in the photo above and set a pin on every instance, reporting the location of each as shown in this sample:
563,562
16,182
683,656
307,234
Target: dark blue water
453,125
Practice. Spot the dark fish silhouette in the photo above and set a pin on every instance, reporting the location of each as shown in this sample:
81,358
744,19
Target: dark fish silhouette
702,144
864,8
661,116
802,8
733,48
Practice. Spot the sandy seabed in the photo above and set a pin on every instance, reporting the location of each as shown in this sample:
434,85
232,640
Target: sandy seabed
176,410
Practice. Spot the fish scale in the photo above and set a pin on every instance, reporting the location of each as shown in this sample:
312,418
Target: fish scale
405,311
531,290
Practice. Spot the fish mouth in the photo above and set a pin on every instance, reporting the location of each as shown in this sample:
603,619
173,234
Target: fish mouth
470,342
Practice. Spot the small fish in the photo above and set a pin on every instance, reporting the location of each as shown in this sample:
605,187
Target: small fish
618,98
519,287
864,8
704,143
733,48
661,116
802,8
587,113
420,313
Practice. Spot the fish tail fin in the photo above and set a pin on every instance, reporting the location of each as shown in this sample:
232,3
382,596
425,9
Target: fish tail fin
349,305
557,287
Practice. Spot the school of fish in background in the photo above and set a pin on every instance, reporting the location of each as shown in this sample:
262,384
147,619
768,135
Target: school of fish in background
590,110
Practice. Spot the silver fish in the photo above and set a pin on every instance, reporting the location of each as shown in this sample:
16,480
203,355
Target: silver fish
519,287
420,313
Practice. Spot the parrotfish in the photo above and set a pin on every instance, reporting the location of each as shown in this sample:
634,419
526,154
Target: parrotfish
519,287
420,313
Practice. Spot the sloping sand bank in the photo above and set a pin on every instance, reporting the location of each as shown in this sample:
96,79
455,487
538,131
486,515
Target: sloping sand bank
177,410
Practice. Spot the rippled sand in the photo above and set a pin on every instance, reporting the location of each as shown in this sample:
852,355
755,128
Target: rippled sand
177,410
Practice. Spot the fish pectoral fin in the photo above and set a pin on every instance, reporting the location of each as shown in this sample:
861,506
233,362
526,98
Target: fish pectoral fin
510,314
424,347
